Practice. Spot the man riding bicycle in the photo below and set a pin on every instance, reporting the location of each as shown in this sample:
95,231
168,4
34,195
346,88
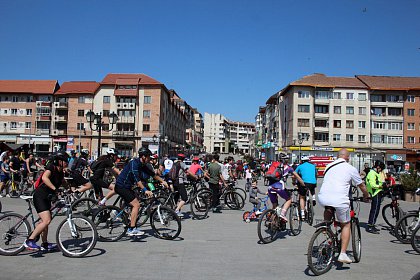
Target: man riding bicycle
334,192
307,171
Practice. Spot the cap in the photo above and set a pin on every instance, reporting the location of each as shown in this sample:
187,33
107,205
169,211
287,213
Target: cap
155,156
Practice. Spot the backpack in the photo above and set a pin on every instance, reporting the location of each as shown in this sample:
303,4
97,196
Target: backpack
275,171
174,172
94,165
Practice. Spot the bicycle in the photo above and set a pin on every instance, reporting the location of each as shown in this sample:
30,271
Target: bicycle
392,211
13,186
270,223
76,236
406,226
249,216
229,195
295,217
322,251
112,222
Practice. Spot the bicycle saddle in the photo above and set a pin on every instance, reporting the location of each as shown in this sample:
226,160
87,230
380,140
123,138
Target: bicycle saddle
26,197
323,224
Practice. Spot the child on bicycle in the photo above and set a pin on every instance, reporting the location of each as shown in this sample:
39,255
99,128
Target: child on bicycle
253,192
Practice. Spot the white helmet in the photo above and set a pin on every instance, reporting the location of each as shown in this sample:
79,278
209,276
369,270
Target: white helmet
304,158
111,151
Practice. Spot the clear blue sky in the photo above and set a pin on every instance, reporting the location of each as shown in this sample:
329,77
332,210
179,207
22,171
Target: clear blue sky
223,57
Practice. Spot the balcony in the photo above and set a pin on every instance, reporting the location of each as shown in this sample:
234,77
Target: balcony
41,131
124,119
60,105
126,105
43,118
60,118
122,135
58,132
43,104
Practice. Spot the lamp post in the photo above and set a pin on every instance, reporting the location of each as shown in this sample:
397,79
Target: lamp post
96,124
300,140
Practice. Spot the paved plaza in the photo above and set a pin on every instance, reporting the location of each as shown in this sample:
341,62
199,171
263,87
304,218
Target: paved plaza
220,247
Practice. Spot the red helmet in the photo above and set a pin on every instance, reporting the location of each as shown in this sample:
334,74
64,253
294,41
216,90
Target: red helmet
155,156
181,156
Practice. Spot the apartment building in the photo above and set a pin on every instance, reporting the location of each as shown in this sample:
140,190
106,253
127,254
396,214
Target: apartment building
194,135
225,136
25,113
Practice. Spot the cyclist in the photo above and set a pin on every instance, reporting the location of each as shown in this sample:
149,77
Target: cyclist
4,176
307,172
52,178
195,167
168,165
277,176
374,185
214,174
136,172
78,165
334,192
30,166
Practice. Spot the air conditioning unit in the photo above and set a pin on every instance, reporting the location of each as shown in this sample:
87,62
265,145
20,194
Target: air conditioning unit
119,105
54,132
38,103
56,104
38,118
56,118
131,105
125,105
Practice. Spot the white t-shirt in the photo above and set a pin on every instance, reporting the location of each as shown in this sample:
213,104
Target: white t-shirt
168,163
336,186
248,174
225,171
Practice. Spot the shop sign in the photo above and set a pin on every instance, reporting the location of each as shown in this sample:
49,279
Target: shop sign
395,157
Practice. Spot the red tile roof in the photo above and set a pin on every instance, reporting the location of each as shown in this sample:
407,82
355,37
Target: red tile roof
29,86
141,79
78,87
321,80
390,83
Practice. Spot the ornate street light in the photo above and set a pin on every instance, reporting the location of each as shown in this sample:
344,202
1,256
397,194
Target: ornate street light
96,124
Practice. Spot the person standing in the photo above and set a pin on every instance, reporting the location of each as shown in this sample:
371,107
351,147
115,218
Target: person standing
334,192
374,185
214,174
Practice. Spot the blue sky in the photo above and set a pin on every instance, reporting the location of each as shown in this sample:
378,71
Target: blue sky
223,57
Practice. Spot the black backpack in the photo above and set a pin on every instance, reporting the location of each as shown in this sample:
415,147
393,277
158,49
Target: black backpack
174,171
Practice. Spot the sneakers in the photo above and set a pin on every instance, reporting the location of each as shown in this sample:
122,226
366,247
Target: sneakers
283,217
1,195
134,232
258,212
313,202
179,214
7,195
217,210
49,247
372,229
344,258
31,245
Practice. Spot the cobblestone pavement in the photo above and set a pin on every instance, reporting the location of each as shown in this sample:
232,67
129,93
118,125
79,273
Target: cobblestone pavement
220,247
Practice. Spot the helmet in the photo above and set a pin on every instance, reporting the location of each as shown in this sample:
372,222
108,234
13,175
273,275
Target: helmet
155,156
61,155
305,158
379,164
181,156
284,156
143,151
84,153
111,151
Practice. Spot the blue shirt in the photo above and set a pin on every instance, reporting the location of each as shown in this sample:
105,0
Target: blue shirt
134,172
308,172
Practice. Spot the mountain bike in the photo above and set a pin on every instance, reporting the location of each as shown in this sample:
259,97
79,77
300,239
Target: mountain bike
392,211
76,236
325,244
270,225
295,217
405,226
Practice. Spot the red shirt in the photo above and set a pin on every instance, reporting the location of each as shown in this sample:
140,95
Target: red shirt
194,168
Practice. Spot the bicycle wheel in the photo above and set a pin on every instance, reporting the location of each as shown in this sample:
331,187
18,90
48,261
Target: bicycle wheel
321,251
86,207
391,214
234,200
309,210
76,237
295,220
405,227
356,240
111,223
14,230
268,227
241,192
1,207
199,207
415,239
207,195
165,222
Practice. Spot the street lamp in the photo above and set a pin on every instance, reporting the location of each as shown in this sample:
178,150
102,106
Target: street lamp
96,120
300,140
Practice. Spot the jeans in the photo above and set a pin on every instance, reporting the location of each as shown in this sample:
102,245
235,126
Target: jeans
375,208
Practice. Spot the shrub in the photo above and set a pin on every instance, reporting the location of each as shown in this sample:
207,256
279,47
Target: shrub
410,181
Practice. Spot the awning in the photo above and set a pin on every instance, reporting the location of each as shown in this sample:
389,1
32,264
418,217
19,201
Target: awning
14,147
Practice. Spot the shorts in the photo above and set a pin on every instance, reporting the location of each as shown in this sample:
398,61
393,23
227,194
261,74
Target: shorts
4,178
126,194
78,179
277,189
302,189
42,202
98,185
342,214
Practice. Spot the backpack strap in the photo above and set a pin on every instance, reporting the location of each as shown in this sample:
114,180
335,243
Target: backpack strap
326,170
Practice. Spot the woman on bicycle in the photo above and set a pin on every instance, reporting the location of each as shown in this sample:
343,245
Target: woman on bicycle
52,178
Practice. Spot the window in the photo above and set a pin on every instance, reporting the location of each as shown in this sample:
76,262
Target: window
394,98
395,140
361,138
29,112
303,122
336,137
81,99
362,97
376,138
321,136
336,95
410,98
303,108
303,94
28,125
377,111
321,123
337,123
105,113
322,95
127,87
395,126
107,99
410,140
147,99
146,114
362,110
395,111
80,126
362,124
349,95
337,109
321,109
146,127
29,98
14,112
5,112
377,98
410,126
80,113
13,125
379,125
349,124
349,137
410,112
15,99
349,110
